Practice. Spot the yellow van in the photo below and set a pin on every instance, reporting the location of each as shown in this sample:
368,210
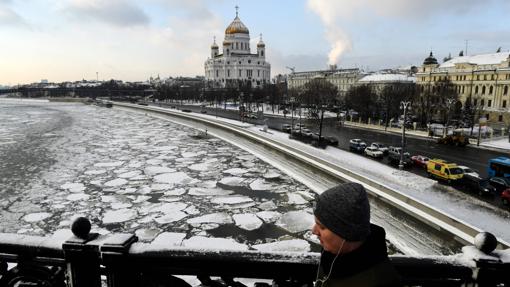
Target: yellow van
444,170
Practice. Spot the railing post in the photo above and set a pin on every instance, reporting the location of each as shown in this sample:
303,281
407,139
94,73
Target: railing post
82,256
113,253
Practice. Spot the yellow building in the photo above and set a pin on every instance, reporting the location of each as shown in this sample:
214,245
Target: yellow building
485,78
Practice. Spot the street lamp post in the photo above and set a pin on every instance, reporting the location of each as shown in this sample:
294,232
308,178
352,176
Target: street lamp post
449,103
292,99
404,105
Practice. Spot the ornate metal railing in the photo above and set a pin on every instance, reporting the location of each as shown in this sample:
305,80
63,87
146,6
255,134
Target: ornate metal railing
90,260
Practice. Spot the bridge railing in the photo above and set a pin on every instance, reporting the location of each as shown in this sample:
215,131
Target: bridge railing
87,259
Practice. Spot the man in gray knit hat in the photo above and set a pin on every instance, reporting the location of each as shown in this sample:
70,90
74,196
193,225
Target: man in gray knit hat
354,251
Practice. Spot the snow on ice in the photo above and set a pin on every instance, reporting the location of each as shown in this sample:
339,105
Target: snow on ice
247,221
296,221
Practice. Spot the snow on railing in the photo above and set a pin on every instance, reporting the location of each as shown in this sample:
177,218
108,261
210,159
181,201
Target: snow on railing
85,258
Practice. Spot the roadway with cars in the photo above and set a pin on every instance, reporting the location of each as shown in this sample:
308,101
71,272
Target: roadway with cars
472,157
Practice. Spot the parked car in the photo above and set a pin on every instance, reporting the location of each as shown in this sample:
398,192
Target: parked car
286,128
505,197
357,145
329,140
500,183
306,132
373,152
478,185
383,148
444,170
394,156
332,140
469,171
299,126
420,160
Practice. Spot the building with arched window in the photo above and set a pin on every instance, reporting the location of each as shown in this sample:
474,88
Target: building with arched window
236,65
484,78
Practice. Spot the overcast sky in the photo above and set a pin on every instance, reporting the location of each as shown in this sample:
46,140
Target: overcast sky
68,40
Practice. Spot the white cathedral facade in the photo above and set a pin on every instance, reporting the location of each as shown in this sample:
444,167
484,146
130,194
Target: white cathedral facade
236,65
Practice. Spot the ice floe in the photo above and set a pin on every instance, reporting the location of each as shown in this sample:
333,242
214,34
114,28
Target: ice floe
296,221
117,216
116,182
231,199
219,217
153,170
269,216
35,217
208,191
73,187
260,184
235,171
247,221
172,178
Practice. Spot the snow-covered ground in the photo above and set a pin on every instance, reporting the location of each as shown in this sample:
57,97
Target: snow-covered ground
500,143
130,172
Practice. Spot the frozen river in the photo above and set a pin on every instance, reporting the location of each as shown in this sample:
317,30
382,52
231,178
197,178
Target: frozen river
133,173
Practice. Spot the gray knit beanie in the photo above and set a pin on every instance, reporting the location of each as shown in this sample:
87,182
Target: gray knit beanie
344,209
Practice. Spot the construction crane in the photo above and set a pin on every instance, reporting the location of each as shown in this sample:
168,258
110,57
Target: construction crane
292,69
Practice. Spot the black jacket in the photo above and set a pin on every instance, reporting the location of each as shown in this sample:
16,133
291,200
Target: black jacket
366,266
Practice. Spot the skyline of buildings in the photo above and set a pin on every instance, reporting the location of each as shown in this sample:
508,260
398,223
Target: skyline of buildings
65,40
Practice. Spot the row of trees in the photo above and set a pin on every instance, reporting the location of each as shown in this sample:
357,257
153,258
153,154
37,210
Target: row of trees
438,103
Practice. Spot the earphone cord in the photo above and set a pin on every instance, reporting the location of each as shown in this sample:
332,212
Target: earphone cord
331,268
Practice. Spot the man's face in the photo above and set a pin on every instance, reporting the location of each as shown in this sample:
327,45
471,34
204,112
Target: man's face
330,241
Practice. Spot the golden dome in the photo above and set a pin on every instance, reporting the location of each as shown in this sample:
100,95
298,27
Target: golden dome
236,27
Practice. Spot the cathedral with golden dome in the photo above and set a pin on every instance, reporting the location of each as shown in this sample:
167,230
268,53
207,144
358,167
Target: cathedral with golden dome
236,66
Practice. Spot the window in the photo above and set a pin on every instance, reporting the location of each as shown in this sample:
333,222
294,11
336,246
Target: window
478,77
249,61
437,167
500,118
228,73
475,102
237,45
216,73
487,116
489,103
483,90
240,71
485,77
258,73
262,53
504,104
249,73
482,102
242,45
490,90
505,91
476,90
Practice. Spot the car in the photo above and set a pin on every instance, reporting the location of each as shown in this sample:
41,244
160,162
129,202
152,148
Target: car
380,147
251,116
468,170
420,160
373,152
142,103
331,140
286,128
505,197
444,170
500,183
357,145
394,156
306,132
299,126
478,185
